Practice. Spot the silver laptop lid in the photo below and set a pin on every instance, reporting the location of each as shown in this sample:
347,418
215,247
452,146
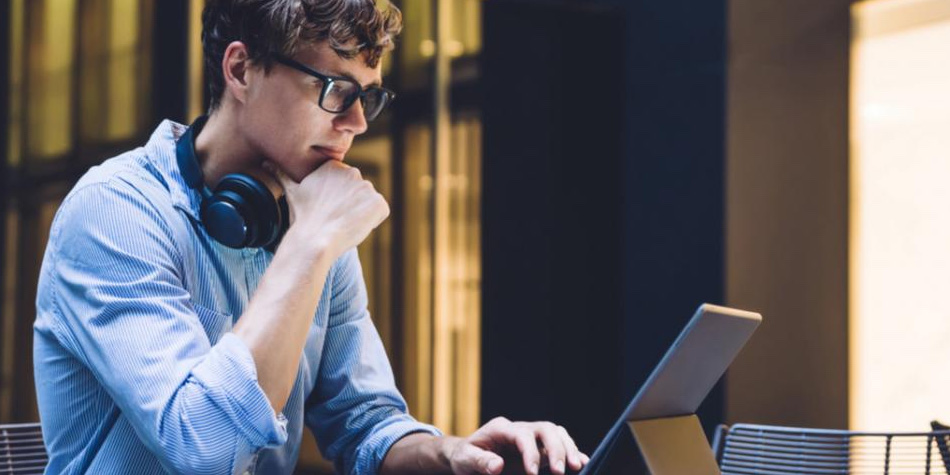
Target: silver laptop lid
684,377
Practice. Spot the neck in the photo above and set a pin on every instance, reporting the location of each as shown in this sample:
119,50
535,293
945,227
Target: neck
221,148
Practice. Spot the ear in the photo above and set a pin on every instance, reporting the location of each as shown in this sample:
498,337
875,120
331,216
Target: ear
235,65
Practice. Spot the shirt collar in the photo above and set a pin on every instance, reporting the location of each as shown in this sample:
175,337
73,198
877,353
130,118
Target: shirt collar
160,152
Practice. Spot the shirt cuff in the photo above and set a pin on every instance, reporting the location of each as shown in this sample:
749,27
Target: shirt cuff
374,449
229,376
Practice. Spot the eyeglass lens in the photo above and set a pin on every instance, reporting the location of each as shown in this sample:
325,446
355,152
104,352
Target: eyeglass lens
339,96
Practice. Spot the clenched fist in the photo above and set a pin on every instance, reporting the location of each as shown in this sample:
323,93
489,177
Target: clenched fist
333,206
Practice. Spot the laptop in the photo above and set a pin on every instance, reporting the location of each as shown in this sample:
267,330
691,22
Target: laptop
662,415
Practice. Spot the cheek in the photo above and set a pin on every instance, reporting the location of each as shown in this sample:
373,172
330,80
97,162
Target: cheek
285,125
278,101
290,148
279,121
321,127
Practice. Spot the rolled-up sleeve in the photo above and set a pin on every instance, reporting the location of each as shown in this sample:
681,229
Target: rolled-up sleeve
355,410
228,376
124,311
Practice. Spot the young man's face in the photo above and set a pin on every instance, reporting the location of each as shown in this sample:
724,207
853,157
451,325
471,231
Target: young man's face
284,122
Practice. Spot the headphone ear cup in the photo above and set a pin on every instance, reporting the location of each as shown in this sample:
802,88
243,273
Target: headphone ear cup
257,223
223,218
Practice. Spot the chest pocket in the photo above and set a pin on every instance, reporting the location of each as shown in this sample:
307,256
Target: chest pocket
215,323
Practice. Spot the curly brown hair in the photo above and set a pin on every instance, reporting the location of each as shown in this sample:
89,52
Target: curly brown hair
280,27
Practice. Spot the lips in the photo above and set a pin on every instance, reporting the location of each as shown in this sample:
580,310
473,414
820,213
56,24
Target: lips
334,153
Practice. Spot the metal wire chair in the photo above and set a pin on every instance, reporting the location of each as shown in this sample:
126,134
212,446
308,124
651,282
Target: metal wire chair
21,449
774,450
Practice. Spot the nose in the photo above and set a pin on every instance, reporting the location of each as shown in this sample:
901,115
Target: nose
351,120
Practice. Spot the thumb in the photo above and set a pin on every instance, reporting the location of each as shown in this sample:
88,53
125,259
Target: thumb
483,461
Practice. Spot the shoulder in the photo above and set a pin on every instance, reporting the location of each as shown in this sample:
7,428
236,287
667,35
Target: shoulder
130,171
116,205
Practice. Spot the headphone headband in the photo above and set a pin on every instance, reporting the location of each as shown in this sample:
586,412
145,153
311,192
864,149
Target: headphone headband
187,157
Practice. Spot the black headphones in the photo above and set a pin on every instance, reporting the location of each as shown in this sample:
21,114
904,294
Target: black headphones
241,211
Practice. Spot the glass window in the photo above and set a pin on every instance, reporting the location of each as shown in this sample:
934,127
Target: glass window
900,214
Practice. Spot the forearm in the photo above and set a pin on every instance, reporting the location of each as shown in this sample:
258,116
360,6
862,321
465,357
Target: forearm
277,319
419,453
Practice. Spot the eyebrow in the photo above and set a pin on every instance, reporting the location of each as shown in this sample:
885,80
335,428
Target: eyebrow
304,67
376,83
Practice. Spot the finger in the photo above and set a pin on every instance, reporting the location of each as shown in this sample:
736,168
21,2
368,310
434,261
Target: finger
483,461
554,445
498,421
521,436
573,454
488,433
334,166
528,446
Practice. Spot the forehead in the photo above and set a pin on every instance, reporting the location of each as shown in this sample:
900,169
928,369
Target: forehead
321,57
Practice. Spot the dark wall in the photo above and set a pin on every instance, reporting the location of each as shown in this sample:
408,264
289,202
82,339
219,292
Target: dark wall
788,208
674,146
5,184
551,215
170,80
603,200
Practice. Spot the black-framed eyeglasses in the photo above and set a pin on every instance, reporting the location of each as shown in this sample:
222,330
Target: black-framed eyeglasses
339,93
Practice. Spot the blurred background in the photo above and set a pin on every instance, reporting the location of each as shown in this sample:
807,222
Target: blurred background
569,180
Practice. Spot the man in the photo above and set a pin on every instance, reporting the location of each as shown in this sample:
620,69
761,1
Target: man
164,342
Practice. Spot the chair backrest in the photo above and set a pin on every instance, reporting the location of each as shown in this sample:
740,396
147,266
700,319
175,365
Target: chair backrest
760,449
21,449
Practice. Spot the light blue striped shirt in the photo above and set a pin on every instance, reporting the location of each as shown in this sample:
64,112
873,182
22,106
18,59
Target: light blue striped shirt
136,368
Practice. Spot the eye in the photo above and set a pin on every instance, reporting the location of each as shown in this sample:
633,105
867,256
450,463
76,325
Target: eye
343,88
337,87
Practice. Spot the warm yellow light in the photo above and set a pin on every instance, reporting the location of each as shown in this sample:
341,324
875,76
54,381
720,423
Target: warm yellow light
123,69
900,215
50,98
195,99
427,48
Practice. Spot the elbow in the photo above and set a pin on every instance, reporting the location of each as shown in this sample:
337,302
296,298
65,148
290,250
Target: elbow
214,425
207,463
194,440
199,452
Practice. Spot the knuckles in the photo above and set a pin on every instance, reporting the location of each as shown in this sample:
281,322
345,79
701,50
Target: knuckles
499,420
